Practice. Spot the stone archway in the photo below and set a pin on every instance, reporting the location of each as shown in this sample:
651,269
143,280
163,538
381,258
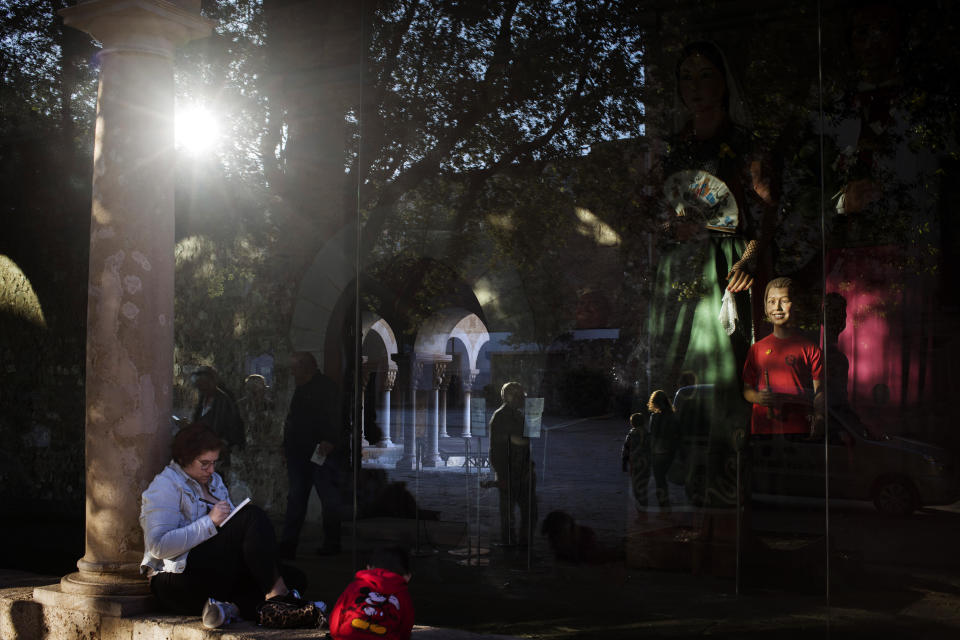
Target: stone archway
472,333
379,346
321,288
430,349
324,298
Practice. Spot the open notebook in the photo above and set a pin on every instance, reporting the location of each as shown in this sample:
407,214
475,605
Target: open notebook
235,509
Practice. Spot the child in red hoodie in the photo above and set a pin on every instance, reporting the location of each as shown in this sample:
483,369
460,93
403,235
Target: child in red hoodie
376,604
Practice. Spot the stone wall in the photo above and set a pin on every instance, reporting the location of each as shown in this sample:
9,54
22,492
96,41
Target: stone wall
41,387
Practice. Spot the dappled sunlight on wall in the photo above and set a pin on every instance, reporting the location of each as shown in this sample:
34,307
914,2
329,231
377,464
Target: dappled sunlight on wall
593,227
17,295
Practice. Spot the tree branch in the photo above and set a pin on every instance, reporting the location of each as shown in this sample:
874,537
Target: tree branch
430,163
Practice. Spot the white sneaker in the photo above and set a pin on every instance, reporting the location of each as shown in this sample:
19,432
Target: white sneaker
216,613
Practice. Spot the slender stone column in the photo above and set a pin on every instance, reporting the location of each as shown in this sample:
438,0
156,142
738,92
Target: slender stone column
401,403
389,379
431,457
129,370
414,368
444,387
364,383
468,381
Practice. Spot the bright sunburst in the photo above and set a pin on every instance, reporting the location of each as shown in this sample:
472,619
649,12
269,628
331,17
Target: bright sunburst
196,129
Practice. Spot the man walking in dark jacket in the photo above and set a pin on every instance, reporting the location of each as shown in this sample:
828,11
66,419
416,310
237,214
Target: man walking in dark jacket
315,453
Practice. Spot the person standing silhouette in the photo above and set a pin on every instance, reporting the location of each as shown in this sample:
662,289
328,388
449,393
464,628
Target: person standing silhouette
510,460
315,453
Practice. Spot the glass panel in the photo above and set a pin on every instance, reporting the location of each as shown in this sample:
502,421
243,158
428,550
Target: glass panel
548,301
555,308
721,488
889,154
557,199
535,248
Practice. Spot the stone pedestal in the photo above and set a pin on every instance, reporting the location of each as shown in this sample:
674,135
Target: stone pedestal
129,367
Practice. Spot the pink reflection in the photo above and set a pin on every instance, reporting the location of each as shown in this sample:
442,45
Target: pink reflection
885,338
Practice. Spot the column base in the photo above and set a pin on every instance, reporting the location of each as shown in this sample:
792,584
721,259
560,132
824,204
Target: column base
117,597
407,462
433,460
386,442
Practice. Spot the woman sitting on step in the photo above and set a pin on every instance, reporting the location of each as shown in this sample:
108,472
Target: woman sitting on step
194,559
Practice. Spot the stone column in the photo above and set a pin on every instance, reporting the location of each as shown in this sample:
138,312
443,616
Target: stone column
431,457
364,383
414,369
129,370
468,381
400,400
389,379
444,387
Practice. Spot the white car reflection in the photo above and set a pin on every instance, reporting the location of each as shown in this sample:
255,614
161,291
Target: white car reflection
899,475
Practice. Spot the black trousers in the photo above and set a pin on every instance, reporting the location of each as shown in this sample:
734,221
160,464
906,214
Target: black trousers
237,565
303,476
660,466
518,491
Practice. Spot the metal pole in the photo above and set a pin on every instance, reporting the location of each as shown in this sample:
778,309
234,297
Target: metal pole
739,506
543,466
529,532
416,519
479,450
466,494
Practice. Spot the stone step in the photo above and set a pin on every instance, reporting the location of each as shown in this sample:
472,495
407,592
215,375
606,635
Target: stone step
22,618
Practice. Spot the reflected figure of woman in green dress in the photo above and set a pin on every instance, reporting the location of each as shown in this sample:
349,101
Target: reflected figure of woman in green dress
719,204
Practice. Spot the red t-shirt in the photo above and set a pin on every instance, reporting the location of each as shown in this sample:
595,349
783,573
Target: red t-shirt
787,366
375,605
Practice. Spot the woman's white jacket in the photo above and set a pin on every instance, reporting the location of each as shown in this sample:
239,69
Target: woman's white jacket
175,519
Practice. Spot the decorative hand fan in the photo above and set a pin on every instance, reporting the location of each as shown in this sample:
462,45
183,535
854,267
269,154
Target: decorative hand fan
702,196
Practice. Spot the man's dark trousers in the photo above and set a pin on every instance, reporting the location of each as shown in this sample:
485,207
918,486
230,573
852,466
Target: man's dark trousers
302,476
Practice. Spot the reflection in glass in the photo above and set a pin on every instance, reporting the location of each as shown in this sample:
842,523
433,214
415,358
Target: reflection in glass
715,219
510,461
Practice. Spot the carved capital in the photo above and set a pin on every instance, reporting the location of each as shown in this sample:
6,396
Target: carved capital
143,26
389,379
439,369
468,379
